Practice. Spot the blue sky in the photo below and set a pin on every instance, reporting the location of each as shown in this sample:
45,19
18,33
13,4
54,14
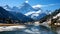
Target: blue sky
48,4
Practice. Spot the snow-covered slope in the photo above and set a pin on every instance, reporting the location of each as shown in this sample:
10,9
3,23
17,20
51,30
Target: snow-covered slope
36,15
58,15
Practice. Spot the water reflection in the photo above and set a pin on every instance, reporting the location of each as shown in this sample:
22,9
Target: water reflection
39,30
31,29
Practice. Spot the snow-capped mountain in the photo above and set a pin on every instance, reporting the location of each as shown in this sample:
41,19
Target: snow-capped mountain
24,8
33,12
37,13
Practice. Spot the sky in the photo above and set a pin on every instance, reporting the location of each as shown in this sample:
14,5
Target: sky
44,4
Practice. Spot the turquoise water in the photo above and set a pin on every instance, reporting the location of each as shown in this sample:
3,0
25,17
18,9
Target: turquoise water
31,29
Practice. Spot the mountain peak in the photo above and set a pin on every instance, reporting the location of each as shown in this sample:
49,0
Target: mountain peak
26,1
26,7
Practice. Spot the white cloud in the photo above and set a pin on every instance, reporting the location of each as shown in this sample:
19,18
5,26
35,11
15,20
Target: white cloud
39,6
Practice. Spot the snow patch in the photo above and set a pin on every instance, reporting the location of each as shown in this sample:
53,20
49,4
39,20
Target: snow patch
33,12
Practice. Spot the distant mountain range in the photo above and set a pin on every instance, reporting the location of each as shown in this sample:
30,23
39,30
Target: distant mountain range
25,13
28,11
